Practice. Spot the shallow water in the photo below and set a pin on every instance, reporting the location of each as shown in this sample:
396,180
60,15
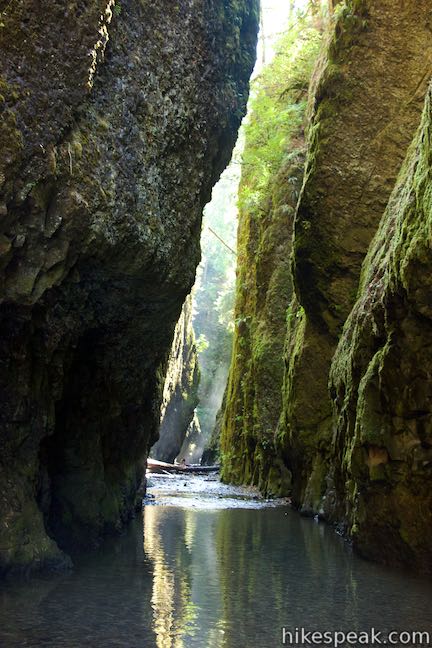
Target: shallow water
215,568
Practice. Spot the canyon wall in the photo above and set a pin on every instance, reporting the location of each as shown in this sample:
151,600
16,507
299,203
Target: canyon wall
253,400
117,119
180,394
357,449
381,377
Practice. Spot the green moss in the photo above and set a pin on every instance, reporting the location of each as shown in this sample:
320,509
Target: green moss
271,181
351,20
11,139
375,373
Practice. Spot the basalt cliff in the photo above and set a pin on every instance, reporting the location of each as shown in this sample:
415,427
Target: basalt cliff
116,120
329,399
180,394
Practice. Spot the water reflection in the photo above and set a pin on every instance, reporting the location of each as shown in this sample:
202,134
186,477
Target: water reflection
247,573
186,592
171,601
105,602
212,577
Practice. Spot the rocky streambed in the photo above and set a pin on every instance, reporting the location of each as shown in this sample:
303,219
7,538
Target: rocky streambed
204,493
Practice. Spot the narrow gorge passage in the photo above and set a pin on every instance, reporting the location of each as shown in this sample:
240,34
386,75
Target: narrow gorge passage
215,323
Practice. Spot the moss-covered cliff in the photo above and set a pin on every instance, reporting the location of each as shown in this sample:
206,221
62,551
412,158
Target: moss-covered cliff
357,451
380,378
367,96
180,394
117,120
273,165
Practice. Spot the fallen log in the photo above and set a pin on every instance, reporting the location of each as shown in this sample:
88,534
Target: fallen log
154,466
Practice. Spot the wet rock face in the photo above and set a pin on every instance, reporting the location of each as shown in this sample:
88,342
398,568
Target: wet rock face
116,122
380,378
354,426
253,399
362,122
180,395
271,182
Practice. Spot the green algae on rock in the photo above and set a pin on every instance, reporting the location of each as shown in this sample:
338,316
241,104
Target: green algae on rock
380,377
270,186
358,136
115,128
361,125
355,453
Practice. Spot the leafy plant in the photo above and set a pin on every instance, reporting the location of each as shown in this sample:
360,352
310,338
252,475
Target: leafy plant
277,109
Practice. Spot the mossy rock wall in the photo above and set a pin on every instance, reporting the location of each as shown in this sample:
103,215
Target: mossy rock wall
367,97
254,398
350,424
272,176
117,119
380,378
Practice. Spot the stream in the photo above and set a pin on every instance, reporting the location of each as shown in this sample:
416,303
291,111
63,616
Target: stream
211,566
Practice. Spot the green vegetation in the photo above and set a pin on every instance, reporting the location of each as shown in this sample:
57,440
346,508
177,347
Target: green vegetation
272,174
277,109
385,347
214,297
328,398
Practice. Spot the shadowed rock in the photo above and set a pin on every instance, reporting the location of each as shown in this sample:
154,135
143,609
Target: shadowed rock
180,395
116,122
380,378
